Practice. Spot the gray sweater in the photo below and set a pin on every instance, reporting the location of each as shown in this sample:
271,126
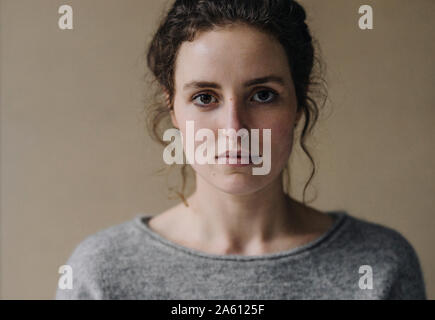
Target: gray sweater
354,259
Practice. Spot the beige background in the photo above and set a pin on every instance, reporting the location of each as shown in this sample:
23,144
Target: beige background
76,158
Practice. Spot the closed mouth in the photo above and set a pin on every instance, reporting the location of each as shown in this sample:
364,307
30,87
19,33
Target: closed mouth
248,157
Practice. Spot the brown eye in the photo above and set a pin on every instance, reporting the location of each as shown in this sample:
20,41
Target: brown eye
266,96
204,99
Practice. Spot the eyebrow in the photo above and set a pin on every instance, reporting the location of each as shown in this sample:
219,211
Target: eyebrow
206,84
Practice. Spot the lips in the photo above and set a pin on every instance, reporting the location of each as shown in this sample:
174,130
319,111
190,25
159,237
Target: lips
239,154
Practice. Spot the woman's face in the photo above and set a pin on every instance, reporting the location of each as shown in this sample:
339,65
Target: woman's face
228,58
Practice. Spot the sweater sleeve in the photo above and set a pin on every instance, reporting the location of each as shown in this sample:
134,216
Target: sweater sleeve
409,283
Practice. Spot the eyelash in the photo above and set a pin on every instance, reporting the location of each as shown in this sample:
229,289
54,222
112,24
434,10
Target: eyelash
203,106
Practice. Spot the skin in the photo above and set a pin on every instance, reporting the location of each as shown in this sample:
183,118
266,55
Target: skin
231,210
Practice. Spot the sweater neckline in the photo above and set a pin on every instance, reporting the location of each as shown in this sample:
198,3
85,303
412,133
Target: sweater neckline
339,216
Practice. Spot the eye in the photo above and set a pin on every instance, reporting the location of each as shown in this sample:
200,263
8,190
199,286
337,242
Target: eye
204,98
266,96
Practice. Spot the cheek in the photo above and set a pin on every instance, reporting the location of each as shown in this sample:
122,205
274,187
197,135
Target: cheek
282,140
281,132
281,125
194,143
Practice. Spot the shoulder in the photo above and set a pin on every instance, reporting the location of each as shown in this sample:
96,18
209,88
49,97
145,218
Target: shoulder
390,252
380,238
110,243
103,243
97,258
360,234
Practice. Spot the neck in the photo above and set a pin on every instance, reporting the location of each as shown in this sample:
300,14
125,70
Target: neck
236,223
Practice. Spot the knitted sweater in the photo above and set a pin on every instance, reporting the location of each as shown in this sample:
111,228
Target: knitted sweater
354,259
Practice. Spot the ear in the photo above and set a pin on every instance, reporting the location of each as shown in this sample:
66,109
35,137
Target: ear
171,112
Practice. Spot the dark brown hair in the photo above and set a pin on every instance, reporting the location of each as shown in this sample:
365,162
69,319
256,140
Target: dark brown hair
283,19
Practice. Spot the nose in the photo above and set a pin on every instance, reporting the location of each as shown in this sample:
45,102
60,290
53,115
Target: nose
234,115
235,118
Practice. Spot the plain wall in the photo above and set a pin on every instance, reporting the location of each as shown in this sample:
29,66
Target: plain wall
76,157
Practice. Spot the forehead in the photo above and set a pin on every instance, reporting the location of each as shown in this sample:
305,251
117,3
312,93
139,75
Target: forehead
232,52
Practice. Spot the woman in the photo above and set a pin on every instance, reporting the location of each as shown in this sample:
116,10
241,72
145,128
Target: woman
236,64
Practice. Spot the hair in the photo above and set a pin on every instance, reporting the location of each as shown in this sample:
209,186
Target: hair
282,19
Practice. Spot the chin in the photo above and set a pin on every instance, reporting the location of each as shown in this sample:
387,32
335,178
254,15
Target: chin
239,183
